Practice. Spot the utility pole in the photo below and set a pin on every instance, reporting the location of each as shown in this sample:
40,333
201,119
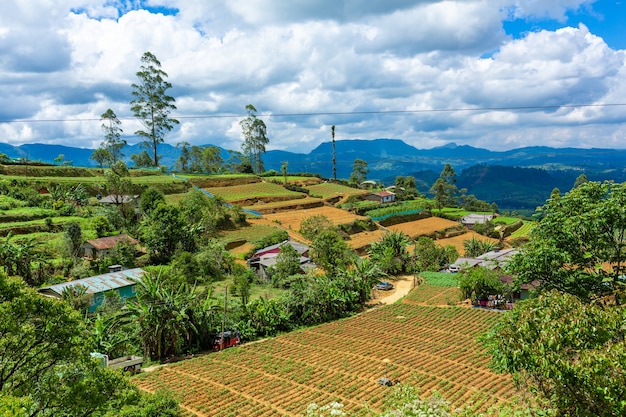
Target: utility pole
223,319
332,130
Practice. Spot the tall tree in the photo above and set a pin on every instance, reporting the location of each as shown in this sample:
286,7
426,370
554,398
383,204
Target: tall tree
112,136
151,104
332,132
211,159
185,156
254,134
444,189
142,159
359,172
100,156
283,170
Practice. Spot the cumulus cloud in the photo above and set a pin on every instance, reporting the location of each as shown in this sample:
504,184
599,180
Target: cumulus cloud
425,71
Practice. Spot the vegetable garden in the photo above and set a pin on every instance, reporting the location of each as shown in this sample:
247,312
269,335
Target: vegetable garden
432,348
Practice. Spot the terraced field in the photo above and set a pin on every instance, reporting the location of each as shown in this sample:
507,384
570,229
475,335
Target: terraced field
330,190
292,219
424,227
258,191
433,348
457,241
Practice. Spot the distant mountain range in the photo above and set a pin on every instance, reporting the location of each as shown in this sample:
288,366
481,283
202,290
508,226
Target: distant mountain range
518,179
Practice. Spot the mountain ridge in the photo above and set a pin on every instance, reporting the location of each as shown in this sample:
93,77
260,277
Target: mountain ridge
505,177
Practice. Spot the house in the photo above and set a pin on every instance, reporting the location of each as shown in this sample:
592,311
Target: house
119,199
382,197
123,282
267,257
491,260
103,246
474,218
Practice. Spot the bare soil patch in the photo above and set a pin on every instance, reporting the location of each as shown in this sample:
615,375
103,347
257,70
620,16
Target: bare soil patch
457,241
361,241
291,219
425,227
286,205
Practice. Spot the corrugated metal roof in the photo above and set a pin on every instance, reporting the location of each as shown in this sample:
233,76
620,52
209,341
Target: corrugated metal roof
99,283
300,248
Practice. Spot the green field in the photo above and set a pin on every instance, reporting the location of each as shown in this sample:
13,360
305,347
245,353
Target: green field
251,191
405,206
505,220
329,190
440,279
249,233
524,230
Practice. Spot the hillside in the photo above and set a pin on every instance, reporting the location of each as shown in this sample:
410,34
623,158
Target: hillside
518,179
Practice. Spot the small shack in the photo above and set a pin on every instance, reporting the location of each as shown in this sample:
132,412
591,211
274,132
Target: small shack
475,218
123,282
104,246
382,197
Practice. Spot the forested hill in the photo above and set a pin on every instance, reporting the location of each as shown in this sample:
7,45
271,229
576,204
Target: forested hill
515,179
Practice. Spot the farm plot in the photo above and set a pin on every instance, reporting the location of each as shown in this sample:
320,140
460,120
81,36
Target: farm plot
437,289
457,241
292,219
362,240
330,190
432,348
277,206
428,294
424,227
250,193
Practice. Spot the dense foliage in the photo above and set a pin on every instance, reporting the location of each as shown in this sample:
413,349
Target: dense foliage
45,363
571,353
578,245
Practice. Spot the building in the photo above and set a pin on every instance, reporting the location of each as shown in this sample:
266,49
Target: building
104,246
474,218
267,257
382,197
120,199
123,282
524,290
491,260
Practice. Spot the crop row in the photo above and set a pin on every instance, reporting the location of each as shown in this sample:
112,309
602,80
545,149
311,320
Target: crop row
431,348
434,295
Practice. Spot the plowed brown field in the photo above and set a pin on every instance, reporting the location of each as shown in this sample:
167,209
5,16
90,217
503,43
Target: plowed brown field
457,241
292,219
364,239
424,227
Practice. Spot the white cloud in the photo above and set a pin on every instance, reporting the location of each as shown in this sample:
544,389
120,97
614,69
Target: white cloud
440,58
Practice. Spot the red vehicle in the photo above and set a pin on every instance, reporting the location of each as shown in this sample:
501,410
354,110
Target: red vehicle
229,339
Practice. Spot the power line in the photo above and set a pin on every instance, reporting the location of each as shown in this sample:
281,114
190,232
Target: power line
339,113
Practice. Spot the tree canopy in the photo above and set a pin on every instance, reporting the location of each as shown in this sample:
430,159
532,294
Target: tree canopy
579,245
254,134
151,104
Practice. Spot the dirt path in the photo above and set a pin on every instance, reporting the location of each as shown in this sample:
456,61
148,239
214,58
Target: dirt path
402,286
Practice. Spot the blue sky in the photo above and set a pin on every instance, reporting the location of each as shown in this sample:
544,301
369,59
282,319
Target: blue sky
606,19
497,74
